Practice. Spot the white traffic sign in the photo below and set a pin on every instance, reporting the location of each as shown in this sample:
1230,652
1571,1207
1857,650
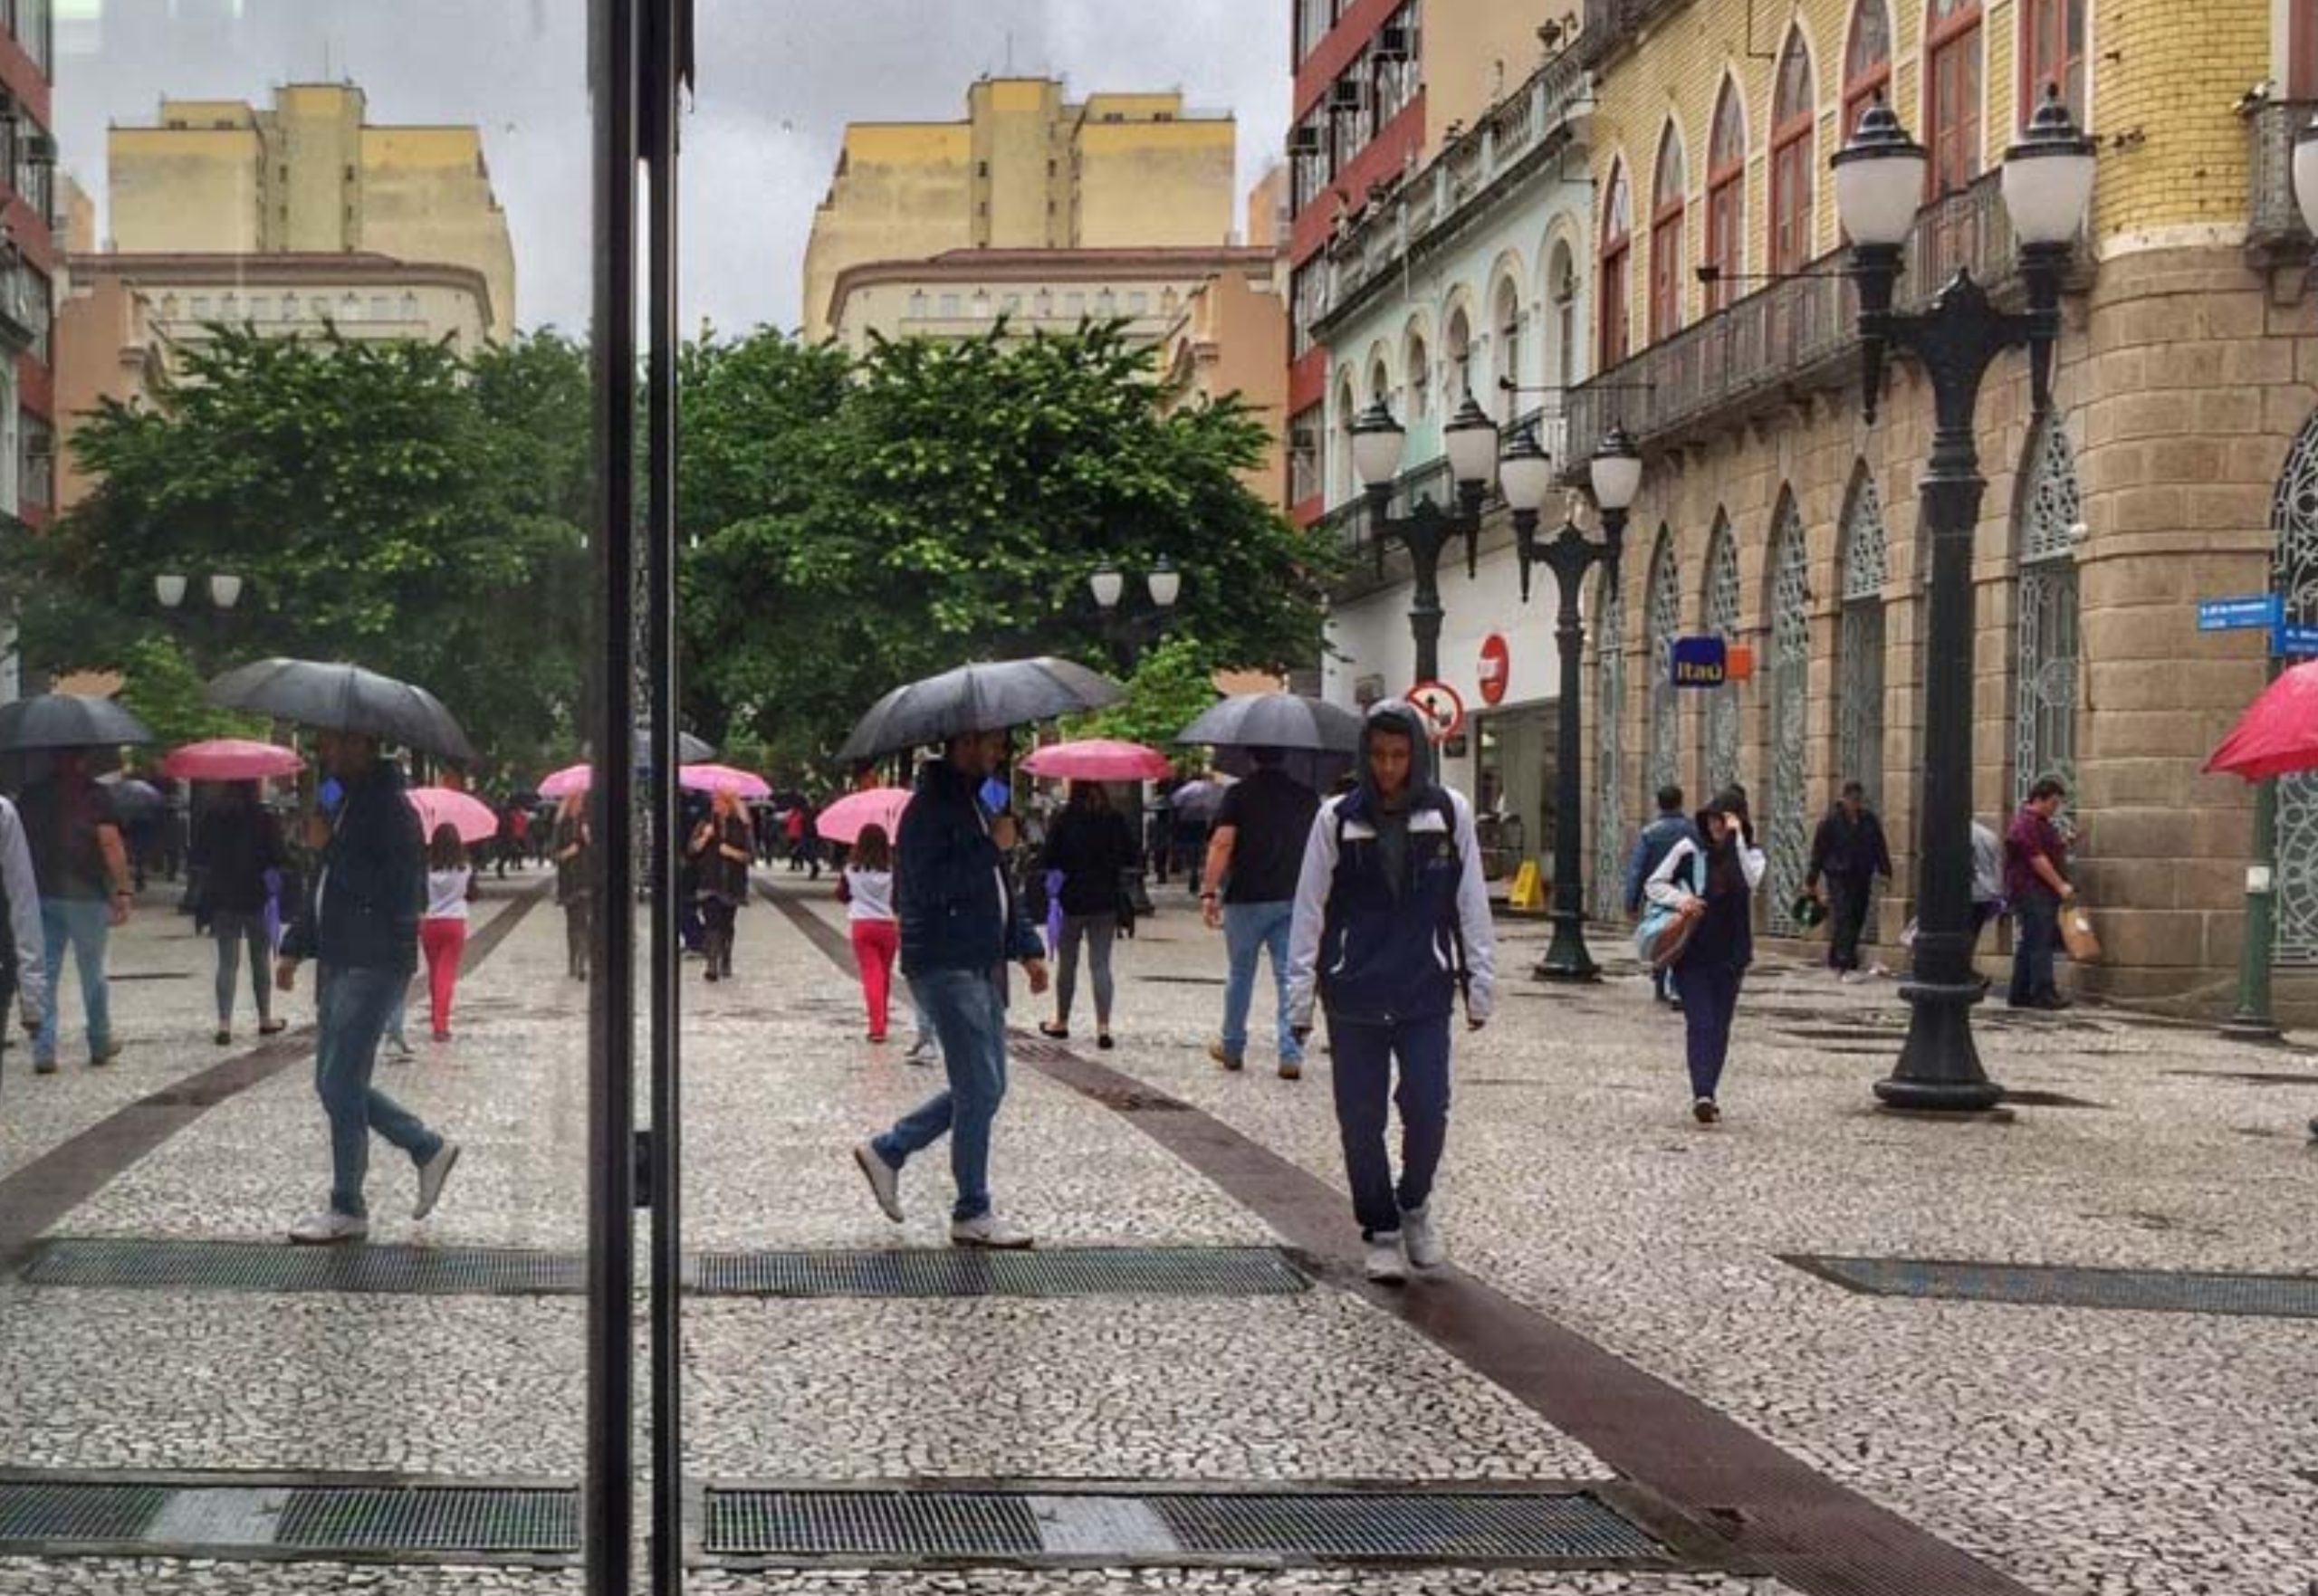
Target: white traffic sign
1443,711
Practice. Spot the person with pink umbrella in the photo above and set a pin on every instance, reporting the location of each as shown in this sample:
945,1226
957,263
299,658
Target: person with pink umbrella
443,933
238,847
724,848
1091,849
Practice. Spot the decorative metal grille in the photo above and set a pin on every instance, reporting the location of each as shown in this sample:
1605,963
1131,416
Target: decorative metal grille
2293,575
1721,730
2045,663
1790,712
1663,624
1609,723
1859,693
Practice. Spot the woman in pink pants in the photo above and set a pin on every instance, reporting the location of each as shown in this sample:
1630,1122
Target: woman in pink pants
443,933
868,889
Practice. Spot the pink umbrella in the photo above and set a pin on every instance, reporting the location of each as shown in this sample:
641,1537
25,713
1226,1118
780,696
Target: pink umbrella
571,778
845,820
230,759
469,816
724,779
2278,733
1100,759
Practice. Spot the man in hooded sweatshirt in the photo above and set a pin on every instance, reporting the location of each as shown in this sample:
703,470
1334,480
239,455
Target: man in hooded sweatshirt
1391,916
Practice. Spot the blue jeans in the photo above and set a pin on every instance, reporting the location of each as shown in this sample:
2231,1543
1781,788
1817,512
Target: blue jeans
1248,931
84,924
2035,935
353,1009
1710,989
1365,1052
969,1015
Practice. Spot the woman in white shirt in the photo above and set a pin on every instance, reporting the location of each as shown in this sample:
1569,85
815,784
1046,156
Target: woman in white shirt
868,890
443,933
1711,889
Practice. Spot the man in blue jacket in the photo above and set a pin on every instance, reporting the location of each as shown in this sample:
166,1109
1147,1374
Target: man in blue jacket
960,926
1658,839
360,925
1392,917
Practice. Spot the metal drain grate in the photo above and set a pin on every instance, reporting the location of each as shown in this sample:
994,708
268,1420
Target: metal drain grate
479,1519
871,1523
77,1512
2158,1291
1088,1272
213,1266
1433,1528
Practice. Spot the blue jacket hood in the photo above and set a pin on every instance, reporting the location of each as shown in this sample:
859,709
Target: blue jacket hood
1395,715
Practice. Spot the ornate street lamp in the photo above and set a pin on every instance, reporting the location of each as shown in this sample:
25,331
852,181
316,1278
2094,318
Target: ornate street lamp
1615,476
1471,440
1123,633
1879,181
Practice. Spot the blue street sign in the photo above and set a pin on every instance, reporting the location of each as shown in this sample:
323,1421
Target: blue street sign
2238,615
1700,662
2296,641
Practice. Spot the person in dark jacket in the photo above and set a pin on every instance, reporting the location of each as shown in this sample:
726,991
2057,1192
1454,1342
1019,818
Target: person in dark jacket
724,847
239,853
960,926
1846,857
1091,848
575,883
1713,882
1650,850
360,925
1391,916
82,868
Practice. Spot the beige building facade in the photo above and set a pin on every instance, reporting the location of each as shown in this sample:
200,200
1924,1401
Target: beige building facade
1230,338
310,175
1027,169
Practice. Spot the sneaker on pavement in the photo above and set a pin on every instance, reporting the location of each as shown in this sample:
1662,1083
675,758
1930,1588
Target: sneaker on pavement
990,1231
1705,1111
1291,1069
1224,1057
104,1055
1387,1265
43,1066
1422,1237
329,1226
884,1180
431,1176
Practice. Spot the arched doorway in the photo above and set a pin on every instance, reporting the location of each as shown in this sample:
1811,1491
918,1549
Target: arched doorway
1719,728
1788,801
1609,741
2046,650
2294,577
1663,624
1859,693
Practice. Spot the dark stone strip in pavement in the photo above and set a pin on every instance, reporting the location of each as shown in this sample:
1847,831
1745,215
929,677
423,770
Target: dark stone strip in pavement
60,1179
1781,1517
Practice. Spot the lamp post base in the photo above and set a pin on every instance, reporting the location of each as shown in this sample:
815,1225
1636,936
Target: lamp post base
1939,1070
2251,1028
1566,957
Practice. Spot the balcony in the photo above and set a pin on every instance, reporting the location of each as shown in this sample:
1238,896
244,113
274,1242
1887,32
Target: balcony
2275,236
1799,334
1350,528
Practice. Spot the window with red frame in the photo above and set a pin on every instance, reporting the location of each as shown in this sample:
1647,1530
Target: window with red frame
2302,51
1666,237
1867,62
1792,118
1952,93
1617,264
1725,198
2053,51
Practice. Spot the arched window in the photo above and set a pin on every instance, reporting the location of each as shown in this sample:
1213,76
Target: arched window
1508,349
1794,117
1952,93
1788,802
1461,359
1859,690
1380,381
1719,733
1725,197
2294,577
1662,622
1561,284
2052,50
1418,362
1609,740
2044,720
1666,236
1347,484
1867,61
1617,266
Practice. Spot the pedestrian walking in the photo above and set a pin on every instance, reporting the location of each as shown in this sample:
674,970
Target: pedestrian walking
23,965
960,924
239,852
723,849
1392,917
443,933
1847,854
82,870
1711,882
1650,850
359,924
1254,854
867,890
2036,862
1091,848
575,885
792,831
1987,879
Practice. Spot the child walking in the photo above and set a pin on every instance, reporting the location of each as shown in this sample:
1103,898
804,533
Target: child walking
868,889
443,933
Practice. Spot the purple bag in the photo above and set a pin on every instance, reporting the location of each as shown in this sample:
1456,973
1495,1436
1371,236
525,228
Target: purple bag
1054,913
272,879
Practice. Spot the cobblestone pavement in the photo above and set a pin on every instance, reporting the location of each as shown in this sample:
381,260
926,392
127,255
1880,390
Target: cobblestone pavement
2080,1452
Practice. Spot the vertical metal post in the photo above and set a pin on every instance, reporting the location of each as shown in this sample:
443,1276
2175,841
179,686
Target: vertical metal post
2252,1022
1569,556
608,1506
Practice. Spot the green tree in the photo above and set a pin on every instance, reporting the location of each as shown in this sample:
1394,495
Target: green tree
161,688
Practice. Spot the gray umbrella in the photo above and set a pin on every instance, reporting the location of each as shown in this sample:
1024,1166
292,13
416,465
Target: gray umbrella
68,719
1275,720
692,750
977,698
344,698
133,799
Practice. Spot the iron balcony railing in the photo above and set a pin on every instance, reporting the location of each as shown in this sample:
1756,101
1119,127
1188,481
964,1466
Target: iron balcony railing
2275,233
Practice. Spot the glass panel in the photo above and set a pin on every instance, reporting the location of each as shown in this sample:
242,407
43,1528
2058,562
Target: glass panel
1790,712
1721,729
1869,50
1866,567
2045,660
2293,576
1664,624
1610,834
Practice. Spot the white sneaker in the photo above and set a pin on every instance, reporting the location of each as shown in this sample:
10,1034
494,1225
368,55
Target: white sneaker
1422,1237
431,1176
884,1180
990,1231
329,1226
1387,1266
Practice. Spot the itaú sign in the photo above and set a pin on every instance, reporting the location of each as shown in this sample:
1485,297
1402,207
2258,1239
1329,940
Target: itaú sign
1700,662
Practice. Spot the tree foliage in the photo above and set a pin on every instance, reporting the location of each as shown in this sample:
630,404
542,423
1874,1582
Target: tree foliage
1173,684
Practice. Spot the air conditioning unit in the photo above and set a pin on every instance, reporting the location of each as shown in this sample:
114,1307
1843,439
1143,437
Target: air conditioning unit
1346,97
1304,141
1393,44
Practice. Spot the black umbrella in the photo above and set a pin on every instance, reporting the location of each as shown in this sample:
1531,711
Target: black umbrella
68,719
133,799
1275,720
976,698
344,698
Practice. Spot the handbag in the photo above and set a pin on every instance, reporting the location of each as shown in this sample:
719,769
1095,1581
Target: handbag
1664,931
2077,935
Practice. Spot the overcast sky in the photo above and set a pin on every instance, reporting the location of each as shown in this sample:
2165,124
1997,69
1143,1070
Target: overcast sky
777,82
